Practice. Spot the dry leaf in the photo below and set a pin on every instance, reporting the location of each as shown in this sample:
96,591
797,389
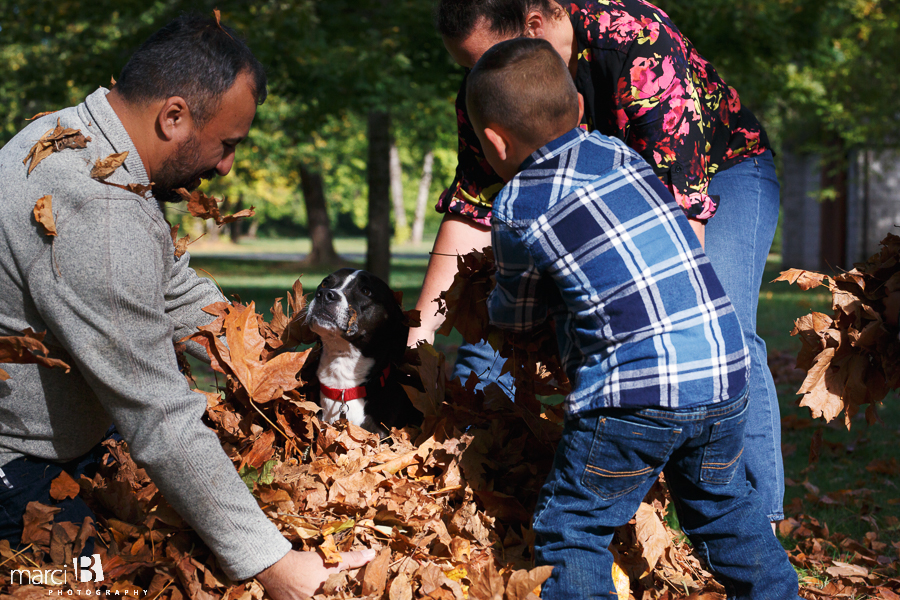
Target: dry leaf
806,280
43,214
104,167
27,349
54,140
375,578
64,487
522,583
180,244
135,188
41,114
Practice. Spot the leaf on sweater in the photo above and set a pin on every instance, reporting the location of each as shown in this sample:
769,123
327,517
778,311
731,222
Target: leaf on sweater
104,167
28,349
43,214
55,140
180,244
41,114
135,188
64,487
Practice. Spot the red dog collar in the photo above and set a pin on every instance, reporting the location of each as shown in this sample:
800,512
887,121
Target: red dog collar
354,393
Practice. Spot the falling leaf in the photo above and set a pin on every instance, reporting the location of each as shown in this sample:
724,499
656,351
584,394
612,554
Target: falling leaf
104,167
43,214
206,207
806,280
64,487
54,140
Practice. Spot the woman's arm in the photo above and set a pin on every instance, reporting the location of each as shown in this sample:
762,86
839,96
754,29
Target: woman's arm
456,236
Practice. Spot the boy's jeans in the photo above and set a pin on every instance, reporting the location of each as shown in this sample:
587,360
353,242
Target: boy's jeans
607,461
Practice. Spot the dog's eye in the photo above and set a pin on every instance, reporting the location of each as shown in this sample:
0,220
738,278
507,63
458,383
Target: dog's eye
365,291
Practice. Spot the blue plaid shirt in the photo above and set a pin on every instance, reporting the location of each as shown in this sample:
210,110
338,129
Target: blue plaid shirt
587,234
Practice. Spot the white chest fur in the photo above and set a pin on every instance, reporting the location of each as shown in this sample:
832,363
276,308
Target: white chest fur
342,366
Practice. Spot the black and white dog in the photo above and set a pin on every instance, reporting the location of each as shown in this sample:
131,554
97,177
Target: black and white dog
362,331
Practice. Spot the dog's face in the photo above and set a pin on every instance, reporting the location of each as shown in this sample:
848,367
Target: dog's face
360,308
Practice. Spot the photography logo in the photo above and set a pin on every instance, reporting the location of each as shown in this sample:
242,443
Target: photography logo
89,568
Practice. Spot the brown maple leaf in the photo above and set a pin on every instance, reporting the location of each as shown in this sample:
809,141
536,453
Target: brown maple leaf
43,214
104,167
805,279
64,487
59,138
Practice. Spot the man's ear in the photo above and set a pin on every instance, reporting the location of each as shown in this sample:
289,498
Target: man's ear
174,120
580,109
496,139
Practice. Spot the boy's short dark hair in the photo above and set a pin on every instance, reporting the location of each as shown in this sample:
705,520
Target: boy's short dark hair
524,86
193,57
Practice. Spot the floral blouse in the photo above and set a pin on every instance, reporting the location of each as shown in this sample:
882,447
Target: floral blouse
644,83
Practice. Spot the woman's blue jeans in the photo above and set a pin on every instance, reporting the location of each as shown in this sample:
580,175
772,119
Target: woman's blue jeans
606,462
738,239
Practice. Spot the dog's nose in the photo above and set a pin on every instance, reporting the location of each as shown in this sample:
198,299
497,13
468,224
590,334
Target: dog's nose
330,296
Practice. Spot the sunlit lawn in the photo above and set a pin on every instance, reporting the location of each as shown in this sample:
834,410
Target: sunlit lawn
845,455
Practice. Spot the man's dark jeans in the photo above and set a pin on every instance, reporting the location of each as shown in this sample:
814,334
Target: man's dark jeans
28,479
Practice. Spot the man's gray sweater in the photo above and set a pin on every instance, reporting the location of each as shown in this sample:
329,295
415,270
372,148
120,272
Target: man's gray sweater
112,298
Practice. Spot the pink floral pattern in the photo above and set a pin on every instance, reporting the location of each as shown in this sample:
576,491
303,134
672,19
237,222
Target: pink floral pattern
643,82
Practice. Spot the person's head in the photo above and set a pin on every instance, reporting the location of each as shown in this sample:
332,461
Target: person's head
520,97
470,27
191,92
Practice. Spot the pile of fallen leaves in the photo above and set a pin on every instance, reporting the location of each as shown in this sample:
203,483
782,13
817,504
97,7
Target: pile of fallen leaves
851,357
447,506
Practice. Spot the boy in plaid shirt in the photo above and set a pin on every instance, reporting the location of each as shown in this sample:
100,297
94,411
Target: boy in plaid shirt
585,233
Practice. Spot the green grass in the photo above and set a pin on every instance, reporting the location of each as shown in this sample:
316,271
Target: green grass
840,474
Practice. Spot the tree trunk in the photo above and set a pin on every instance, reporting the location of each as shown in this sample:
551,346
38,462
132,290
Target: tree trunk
253,229
378,231
401,229
322,252
833,223
212,230
418,228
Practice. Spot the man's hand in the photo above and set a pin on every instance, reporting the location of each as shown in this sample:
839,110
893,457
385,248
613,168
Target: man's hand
300,574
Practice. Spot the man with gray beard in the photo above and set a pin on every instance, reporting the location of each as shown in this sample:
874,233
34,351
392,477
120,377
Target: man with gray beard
112,297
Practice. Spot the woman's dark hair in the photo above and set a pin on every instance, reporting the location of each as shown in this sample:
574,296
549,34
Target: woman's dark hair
455,19
193,57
